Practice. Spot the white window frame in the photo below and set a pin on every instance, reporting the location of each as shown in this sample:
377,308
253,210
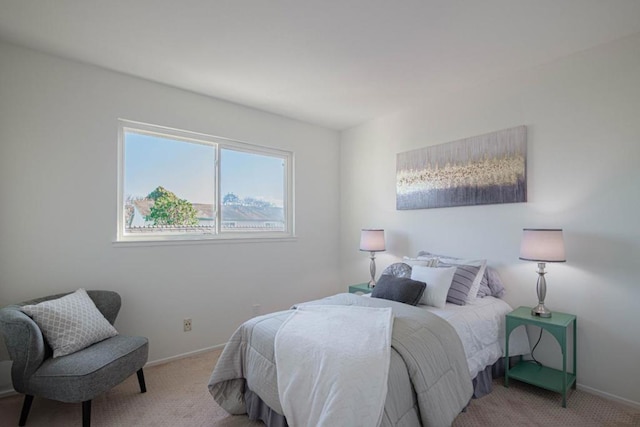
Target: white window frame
219,143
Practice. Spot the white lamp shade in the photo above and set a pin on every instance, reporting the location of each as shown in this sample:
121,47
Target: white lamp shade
372,240
542,245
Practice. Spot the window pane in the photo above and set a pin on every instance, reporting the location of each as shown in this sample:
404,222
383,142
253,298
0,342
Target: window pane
252,188
169,185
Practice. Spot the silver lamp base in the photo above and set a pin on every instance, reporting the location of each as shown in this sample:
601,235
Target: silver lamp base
372,270
540,310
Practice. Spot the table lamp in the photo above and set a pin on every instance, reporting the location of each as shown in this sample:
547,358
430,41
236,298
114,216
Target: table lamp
372,241
542,246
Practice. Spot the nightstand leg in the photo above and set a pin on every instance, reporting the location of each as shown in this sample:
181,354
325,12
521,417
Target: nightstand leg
506,357
564,368
575,352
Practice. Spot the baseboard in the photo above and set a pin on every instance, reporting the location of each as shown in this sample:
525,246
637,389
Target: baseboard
609,396
7,393
183,355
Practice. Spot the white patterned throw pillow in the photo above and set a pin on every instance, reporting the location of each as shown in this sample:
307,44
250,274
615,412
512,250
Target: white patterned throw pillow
70,323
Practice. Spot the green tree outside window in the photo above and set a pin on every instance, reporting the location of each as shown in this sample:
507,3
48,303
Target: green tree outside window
168,209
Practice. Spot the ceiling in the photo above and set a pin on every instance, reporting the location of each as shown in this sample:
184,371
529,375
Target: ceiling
334,63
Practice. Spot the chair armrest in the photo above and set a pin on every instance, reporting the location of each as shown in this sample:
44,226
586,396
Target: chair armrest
24,342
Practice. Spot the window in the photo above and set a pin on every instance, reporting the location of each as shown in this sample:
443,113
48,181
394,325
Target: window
179,185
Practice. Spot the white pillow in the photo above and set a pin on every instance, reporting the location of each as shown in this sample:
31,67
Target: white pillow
424,261
70,323
475,286
438,282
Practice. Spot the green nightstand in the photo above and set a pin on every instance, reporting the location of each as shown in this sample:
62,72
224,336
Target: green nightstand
542,376
360,289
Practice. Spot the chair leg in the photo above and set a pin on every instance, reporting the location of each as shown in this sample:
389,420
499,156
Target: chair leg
143,386
86,413
26,407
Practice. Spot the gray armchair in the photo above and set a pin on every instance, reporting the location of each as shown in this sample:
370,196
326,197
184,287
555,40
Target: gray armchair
77,377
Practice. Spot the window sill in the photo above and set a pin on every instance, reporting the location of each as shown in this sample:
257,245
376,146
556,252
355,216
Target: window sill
219,240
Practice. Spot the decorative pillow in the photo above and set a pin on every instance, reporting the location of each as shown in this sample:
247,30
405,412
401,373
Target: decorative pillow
399,269
438,282
70,323
401,289
462,282
446,259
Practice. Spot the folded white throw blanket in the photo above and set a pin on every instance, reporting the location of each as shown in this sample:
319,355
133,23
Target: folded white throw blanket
332,365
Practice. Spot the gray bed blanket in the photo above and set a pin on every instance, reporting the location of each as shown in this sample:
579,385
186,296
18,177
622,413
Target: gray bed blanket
428,384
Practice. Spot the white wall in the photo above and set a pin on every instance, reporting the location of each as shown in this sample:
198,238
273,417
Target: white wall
583,119
58,140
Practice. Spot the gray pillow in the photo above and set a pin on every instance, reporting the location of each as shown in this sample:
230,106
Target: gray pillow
495,283
462,281
484,289
401,289
491,284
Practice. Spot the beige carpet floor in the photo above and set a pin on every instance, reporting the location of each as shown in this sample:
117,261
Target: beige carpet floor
177,396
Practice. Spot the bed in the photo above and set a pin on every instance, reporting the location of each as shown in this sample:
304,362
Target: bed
440,357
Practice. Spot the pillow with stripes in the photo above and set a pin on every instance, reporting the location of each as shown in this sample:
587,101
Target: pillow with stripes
462,282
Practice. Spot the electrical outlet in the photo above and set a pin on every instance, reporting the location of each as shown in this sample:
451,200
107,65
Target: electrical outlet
187,325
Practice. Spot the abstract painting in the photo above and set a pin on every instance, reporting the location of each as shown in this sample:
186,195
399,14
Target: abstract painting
480,170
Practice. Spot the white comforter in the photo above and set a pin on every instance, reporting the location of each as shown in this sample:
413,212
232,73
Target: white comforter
321,380
481,327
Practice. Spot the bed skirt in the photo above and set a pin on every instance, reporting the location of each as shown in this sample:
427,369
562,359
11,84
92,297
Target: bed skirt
258,410
482,385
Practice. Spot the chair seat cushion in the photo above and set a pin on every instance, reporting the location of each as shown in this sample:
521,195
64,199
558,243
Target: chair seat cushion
87,373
